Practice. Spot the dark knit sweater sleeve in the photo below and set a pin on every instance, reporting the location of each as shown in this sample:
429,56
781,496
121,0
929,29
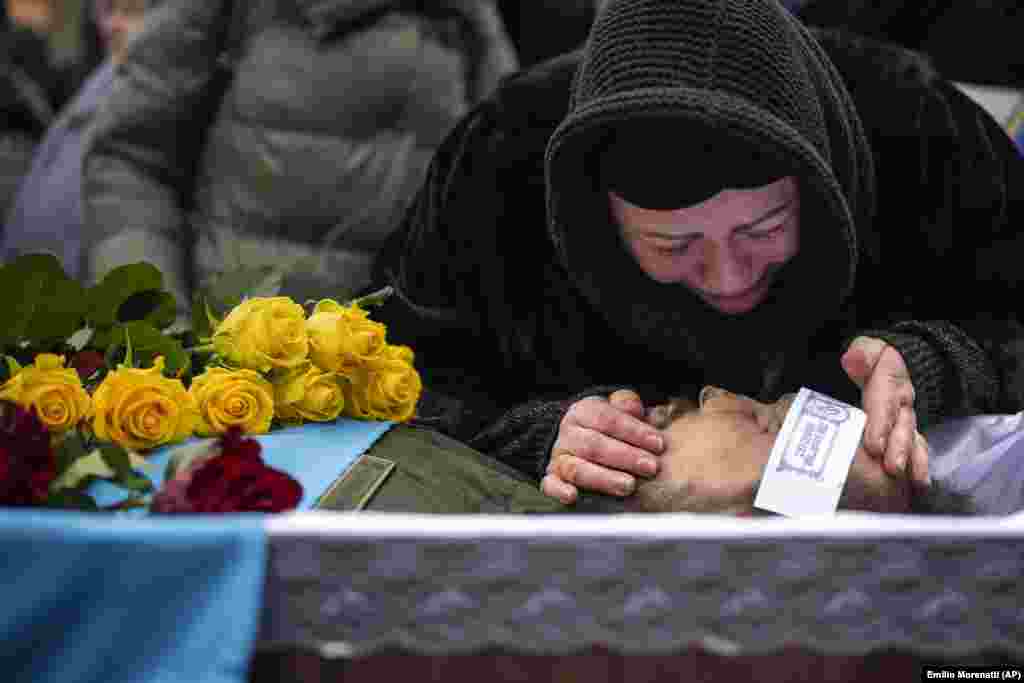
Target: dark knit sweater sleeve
521,437
954,314
939,28
952,375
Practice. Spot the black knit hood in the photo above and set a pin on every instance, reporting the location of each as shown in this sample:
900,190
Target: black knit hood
728,75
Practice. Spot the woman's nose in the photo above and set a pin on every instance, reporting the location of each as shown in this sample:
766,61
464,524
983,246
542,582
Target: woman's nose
725,271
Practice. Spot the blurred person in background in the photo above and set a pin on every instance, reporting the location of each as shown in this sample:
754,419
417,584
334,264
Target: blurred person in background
29,91
331,112
47,212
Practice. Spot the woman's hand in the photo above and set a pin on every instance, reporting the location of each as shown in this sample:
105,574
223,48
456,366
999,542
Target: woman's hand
887,396
602,445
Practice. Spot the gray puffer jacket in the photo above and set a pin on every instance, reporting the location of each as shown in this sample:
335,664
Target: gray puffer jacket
321,139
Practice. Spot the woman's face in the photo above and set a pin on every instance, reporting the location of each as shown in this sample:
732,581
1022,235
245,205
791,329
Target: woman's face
124,20
727,249
38,15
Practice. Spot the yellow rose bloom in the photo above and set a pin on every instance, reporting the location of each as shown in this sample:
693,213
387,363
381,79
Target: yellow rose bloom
227,398
263,333
309,394
388,388
54,392
141,409
342,338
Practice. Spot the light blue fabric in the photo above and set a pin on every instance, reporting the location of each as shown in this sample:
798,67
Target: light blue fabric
316,454
97,597
981,456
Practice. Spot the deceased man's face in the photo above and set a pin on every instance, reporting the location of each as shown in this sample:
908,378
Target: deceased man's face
716,454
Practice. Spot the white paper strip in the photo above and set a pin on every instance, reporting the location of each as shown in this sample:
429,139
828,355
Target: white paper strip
811,458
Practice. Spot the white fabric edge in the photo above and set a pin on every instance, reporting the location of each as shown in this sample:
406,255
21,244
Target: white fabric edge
844,525
996,100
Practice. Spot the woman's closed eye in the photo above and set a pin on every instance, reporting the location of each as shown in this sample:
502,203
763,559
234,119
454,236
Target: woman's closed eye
681,247
674,248
764,234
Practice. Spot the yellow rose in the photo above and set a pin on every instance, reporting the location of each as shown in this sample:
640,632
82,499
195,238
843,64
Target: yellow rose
342,338
388,388
141,409
54,392
309,394
227,398
263,334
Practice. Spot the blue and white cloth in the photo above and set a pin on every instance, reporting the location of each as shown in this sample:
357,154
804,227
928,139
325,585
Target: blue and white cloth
129,599
122,599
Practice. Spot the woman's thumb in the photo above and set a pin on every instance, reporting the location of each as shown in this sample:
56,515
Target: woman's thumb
860,359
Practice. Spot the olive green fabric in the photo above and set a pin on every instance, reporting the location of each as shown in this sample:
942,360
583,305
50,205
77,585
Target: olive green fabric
417,470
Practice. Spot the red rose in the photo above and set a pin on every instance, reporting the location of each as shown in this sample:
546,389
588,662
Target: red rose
87,363
236,480
27,463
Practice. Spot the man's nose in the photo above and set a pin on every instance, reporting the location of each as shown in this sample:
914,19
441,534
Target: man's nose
725,271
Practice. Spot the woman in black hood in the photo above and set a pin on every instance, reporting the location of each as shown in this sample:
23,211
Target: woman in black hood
710,193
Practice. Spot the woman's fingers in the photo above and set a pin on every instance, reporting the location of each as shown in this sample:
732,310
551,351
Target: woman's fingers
919,462
888,392
586,474
629,402
596,429
605,450
901,442
602,445
554,487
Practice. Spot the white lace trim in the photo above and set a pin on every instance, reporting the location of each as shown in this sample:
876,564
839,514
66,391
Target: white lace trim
351,584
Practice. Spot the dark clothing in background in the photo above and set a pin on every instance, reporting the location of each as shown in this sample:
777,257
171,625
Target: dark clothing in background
969,40
510,327
33,89
323,136
542,29
30,92
46,212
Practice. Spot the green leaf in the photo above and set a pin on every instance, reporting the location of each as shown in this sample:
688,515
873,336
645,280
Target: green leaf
118,459
71,499
204,322
147,343
13,366
81,338
114,354
374,298
71,449
226,290
117,287
40,303
83,470
186,455
156,307
129,359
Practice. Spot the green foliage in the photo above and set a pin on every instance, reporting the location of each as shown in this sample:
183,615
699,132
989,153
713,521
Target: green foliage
41,306
146,343
184,456
118,460
226,290
71,499
130,292
79,465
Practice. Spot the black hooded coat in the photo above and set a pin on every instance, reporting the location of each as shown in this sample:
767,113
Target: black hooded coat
518,296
